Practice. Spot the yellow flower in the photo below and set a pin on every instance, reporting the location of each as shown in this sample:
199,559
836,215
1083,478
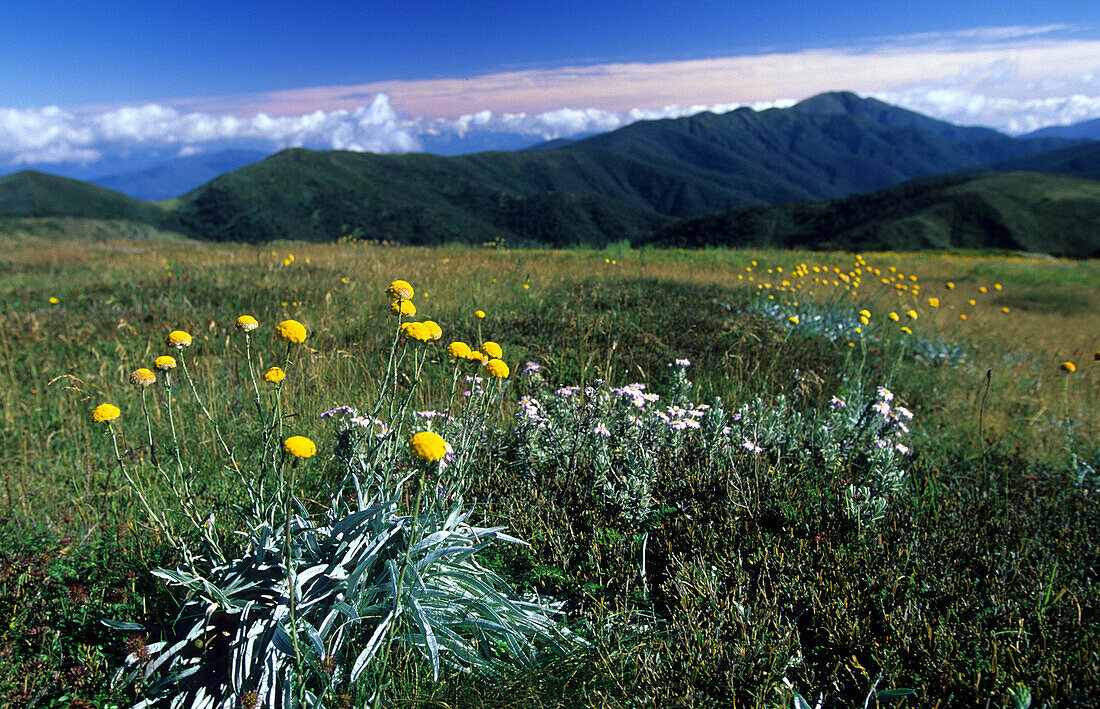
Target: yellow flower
54,301
911,314
934,302
178,339
973,302
950,285
997,286
864,320
906,330
291,331
1069,367
1005,310
400,290
403,307
893,316
165,363
962,316
142,378
274,375
247,323
497,368
492,349
415,331
477,357
865,313
982,289
299,446
105,412
428,446
793,319
479,313
434,330
526,286
459,350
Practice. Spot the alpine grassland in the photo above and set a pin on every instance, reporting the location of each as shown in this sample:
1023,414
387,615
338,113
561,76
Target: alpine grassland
354,474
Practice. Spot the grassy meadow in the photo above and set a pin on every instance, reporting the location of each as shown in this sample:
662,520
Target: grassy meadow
744,572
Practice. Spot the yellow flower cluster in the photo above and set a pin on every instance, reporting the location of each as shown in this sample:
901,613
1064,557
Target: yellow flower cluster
497,368
403,308
458,350
492,349
415,331
291,331
299,447
247,323
400,290
428,446
178,339
105,412
165,363
274,375
142,378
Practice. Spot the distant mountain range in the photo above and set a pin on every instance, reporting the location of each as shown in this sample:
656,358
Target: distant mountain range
634,183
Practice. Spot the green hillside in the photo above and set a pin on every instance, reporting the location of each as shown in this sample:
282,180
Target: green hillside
36,194
1019,211
414,199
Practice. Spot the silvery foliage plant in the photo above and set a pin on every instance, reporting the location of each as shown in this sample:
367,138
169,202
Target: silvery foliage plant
617,435
860,443
620,436
293,617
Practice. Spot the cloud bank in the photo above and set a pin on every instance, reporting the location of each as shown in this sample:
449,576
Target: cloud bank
1015,79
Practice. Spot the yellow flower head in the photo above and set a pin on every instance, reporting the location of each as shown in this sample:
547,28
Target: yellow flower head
274,375
428,446
1006,310
291,331
962,316
997,286
982,289
142,378
400,290
105,412
894,316
299,446
165,363
247,323
934,302
178,339
492,349
479,313
793,319
459,350
54,300
434,330
950,285
972,301
476,356
497,368
1069,367
911,314
906,330
865,313
415,331
403,307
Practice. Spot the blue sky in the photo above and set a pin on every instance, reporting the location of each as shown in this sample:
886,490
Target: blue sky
79,80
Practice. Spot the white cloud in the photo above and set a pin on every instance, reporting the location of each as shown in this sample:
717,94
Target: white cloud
1015,79
52,135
